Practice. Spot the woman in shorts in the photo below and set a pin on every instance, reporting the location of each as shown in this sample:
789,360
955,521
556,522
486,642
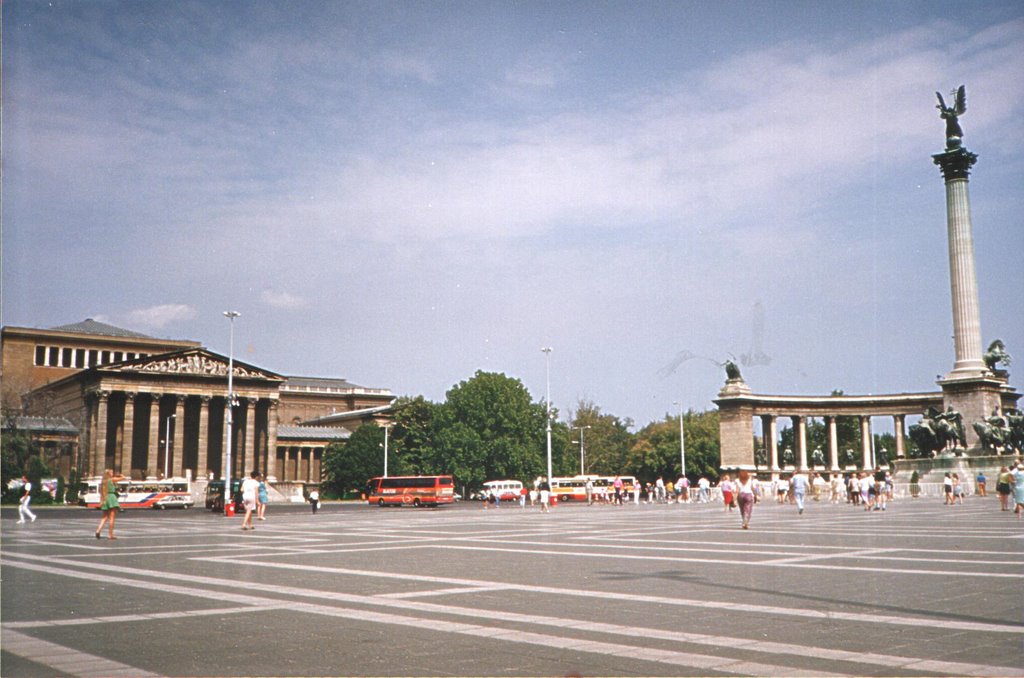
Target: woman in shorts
1003,483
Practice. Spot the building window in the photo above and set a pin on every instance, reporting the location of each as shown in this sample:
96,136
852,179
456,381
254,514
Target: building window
53,359
79,357
118,356
104,357
40,355
93,358
67,357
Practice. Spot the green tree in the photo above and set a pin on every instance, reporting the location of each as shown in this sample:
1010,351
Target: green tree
489,428
607,440
412,435
16,449
347,466
656,451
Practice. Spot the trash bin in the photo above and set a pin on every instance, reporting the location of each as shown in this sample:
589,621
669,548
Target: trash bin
229,510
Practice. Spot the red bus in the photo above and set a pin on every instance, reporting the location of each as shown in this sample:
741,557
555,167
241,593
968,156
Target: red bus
411,490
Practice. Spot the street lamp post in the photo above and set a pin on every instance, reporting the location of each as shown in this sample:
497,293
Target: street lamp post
581,428
167,446
547,373
230,315
386,427
682,443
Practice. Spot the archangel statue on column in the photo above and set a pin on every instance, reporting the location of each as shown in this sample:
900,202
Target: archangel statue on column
951,114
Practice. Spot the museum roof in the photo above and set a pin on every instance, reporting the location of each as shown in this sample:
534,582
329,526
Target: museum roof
42,425
329,385
292,432
90,326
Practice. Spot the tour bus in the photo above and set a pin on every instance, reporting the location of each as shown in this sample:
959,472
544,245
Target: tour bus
505,490
156,494
215,495
411,490
574,488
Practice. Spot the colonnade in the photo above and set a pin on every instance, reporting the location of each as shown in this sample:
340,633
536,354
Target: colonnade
770,436
147,434
300,463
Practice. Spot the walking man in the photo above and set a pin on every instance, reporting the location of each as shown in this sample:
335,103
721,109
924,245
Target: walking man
26,497
799,486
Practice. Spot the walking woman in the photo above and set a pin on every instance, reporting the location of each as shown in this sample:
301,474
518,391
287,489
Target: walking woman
1004,481
262,499
745,496
726,487
1018,489
108,502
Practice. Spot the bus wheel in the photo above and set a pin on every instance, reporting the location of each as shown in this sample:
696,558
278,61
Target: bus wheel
380,502
416,502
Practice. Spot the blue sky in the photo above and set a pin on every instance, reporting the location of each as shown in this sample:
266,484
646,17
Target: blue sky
403,193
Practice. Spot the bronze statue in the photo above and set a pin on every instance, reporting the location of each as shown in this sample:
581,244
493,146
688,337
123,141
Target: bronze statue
996,354
817,458
732,371
938,431
954,134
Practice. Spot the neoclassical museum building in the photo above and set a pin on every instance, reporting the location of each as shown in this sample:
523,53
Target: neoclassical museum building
94,396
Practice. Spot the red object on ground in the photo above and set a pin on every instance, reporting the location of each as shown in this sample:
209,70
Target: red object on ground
229,510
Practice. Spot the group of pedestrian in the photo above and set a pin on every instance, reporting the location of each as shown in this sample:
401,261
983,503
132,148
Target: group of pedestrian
255,499
1010,488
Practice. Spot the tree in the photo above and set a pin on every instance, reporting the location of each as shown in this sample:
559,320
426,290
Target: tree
488,428
412,435
606,442
347,466
656,450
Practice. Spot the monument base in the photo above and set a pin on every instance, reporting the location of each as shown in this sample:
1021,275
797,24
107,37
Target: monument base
976,396
933,470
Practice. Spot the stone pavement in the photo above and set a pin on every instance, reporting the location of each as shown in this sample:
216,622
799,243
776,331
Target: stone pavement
921,589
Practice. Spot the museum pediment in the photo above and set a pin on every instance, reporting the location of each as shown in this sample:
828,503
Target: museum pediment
195,362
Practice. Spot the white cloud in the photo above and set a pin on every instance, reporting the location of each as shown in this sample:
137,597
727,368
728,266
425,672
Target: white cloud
285,300
158,317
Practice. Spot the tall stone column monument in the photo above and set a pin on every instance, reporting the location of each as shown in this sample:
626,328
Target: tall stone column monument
970,388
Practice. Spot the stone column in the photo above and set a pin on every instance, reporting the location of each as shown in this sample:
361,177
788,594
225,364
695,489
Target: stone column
178,465
773,441
250,437
800,424
293,463
315,459
153,456
833,443
100,450
304,458
956,165
865,442
271,436
128,436
898,421
203,449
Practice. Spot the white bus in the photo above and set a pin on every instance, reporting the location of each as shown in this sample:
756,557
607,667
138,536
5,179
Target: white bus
504,490
157,494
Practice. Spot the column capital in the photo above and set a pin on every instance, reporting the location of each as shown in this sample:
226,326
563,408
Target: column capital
955,163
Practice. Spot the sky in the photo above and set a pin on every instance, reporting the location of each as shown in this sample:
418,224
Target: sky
403,193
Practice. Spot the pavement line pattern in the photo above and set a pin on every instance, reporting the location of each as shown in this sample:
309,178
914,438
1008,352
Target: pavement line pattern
97,666
65,661
143,616
726,561
765,647
657,600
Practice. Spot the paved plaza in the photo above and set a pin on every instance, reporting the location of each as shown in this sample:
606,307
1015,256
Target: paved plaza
921,589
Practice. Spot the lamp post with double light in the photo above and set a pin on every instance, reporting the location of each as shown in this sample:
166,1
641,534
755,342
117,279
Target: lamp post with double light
547,378
682,442
581,429
230,315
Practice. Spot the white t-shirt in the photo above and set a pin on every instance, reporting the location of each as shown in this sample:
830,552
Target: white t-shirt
250,486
